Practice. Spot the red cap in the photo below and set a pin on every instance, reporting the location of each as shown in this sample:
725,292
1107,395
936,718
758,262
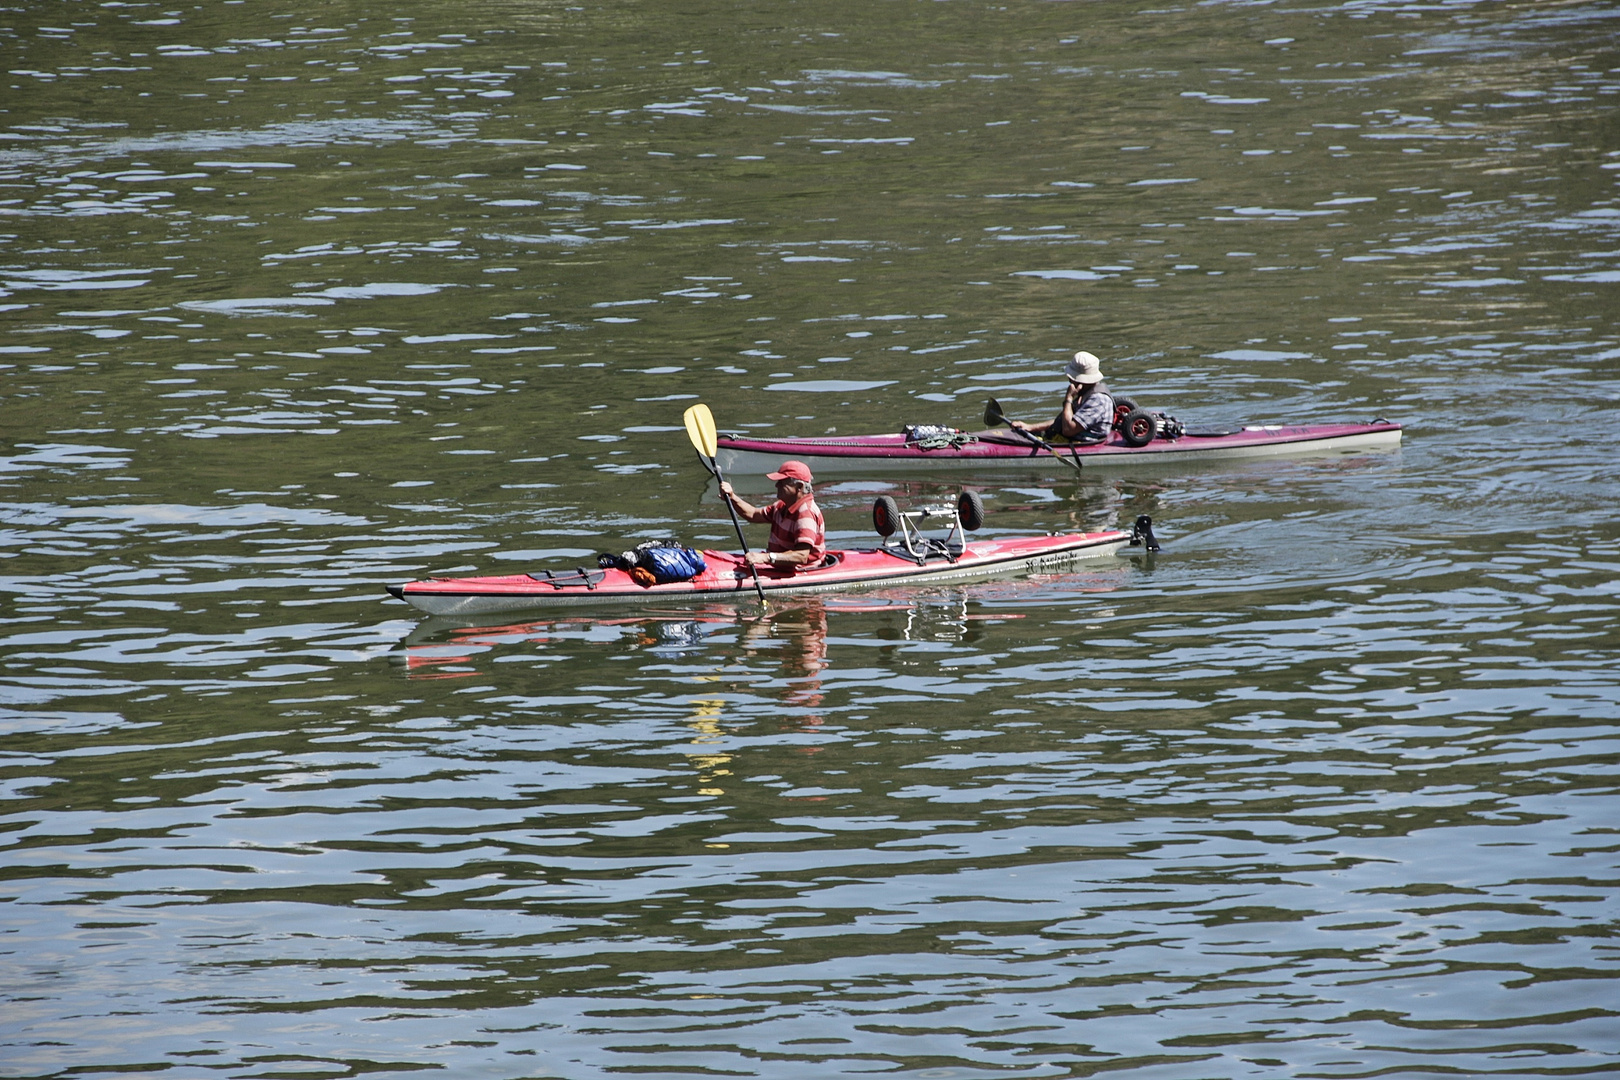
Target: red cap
791,470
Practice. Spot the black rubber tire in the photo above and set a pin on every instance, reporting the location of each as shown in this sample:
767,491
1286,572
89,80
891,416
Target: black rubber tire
1138,428
1123,407
970,508
885,515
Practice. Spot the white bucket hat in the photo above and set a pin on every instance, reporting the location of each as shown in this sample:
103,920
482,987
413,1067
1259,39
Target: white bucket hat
1084,368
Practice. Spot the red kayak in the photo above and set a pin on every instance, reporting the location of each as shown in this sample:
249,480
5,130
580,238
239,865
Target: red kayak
904,558
1139,438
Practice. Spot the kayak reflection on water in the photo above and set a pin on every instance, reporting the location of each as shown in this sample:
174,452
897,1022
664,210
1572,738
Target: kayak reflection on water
795,635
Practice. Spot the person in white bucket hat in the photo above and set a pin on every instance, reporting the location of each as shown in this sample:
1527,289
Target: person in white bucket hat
1088,408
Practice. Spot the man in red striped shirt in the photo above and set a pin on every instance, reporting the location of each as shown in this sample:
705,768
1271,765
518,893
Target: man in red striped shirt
798,531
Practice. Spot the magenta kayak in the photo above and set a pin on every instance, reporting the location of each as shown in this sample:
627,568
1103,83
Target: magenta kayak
893,563
924,449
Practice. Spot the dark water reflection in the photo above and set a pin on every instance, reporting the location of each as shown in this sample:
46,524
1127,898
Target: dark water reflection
299,304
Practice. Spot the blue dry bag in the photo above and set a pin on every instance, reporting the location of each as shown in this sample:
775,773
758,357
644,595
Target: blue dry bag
672,563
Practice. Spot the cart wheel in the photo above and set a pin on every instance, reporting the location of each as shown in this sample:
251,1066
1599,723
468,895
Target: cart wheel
1138,428
1123,407
970,508
885,515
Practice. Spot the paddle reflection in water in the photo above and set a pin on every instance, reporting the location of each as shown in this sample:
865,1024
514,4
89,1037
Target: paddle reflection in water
798,637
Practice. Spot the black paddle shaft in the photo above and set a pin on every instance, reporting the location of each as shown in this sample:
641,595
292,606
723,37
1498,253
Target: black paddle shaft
700,429
736,523
995,417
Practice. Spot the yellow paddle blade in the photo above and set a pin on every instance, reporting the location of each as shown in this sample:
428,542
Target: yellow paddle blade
700,428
